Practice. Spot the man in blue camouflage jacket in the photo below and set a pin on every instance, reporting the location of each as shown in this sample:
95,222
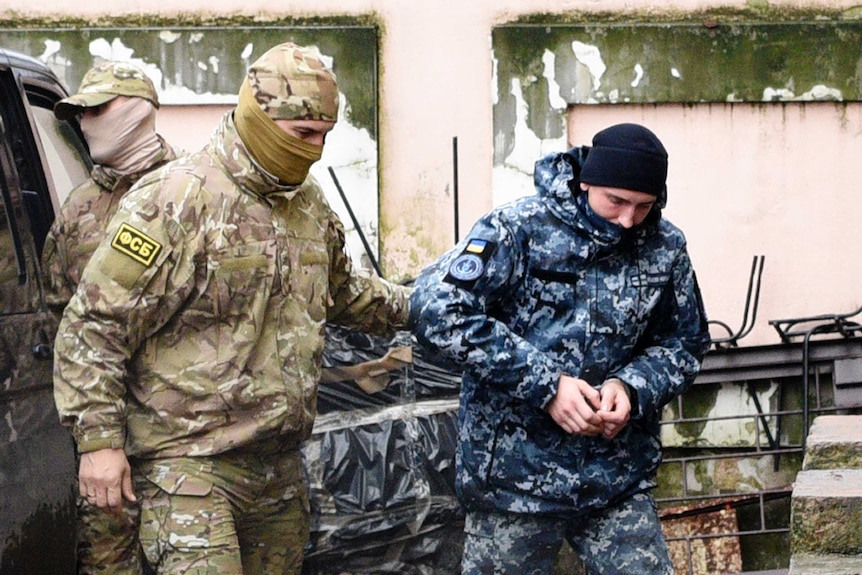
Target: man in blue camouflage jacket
575,316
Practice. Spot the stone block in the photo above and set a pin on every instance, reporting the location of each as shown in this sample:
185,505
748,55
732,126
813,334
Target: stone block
826,512
834,442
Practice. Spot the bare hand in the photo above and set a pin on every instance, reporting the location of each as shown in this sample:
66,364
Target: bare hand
575,407
616,407
105,478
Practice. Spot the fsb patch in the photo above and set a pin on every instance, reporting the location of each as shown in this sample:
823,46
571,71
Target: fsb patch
136,244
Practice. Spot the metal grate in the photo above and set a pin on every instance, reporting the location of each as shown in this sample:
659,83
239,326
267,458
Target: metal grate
749,516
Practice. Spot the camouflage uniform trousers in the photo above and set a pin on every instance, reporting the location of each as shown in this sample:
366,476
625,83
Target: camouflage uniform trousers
621,540
238,513
108,540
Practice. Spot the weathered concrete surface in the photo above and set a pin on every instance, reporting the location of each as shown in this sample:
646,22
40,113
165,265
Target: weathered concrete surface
805,564
826,512
834,442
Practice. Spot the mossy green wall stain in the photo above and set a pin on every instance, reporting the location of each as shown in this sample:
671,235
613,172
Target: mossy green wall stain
712,472
791,425
353,48
758,55
750,13
688,62
203,59
16,20
697,404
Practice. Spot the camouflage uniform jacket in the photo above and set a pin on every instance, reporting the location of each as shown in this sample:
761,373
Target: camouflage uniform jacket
540,287
213,285
80,226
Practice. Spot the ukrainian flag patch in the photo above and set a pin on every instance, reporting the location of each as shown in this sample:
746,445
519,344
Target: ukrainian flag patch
476,246
136,244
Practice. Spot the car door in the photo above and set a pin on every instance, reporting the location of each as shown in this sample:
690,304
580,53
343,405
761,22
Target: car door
41,159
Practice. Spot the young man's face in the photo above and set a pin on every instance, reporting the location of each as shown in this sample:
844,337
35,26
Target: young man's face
309,131
625,208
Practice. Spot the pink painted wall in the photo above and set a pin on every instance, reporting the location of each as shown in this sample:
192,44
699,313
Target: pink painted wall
783,181
189,127
780,181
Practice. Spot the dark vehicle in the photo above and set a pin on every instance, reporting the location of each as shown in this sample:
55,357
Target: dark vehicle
41,160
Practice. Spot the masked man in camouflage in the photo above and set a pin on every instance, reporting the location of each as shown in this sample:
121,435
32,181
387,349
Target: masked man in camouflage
116,106
194,340
575,316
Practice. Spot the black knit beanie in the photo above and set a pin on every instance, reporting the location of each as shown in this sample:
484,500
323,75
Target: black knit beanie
627,156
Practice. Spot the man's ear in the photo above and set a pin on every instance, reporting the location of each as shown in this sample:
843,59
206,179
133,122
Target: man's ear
584,187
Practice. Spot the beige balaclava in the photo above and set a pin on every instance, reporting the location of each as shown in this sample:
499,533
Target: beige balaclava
123,138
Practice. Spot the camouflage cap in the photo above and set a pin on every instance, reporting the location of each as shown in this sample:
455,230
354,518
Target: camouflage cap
103,83
291,82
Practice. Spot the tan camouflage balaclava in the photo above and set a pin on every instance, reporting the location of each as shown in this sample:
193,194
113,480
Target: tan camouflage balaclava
289,82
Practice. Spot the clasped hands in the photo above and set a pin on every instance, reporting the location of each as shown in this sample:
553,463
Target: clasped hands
579,408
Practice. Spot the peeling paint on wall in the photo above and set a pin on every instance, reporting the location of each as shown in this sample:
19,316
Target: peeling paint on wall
691,62
206,65
541,69
712,408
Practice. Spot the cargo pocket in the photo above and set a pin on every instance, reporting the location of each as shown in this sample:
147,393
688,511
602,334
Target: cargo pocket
309,278
178,513
179,482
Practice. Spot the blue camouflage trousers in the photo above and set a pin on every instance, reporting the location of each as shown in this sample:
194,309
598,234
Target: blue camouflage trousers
239,513
623,540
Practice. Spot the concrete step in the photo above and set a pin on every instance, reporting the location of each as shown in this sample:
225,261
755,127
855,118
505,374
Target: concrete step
834,442
805,564
826,512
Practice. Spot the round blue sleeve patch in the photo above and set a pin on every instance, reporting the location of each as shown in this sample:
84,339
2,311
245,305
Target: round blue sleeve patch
467,267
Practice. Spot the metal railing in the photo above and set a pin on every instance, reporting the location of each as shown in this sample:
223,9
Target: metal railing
758,510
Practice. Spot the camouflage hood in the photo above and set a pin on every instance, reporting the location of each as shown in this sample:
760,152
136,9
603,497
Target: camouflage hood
228,147
557,183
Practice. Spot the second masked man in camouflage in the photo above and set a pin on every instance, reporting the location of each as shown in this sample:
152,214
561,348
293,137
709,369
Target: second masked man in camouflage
195,337
116,105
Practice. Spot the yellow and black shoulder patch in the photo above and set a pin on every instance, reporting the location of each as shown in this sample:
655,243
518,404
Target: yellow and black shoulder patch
136,244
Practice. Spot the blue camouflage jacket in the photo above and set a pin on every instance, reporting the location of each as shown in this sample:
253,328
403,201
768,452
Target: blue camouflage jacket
540,287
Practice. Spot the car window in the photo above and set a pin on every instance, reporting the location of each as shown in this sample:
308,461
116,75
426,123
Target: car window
39,163
8,261
63,150
18,293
